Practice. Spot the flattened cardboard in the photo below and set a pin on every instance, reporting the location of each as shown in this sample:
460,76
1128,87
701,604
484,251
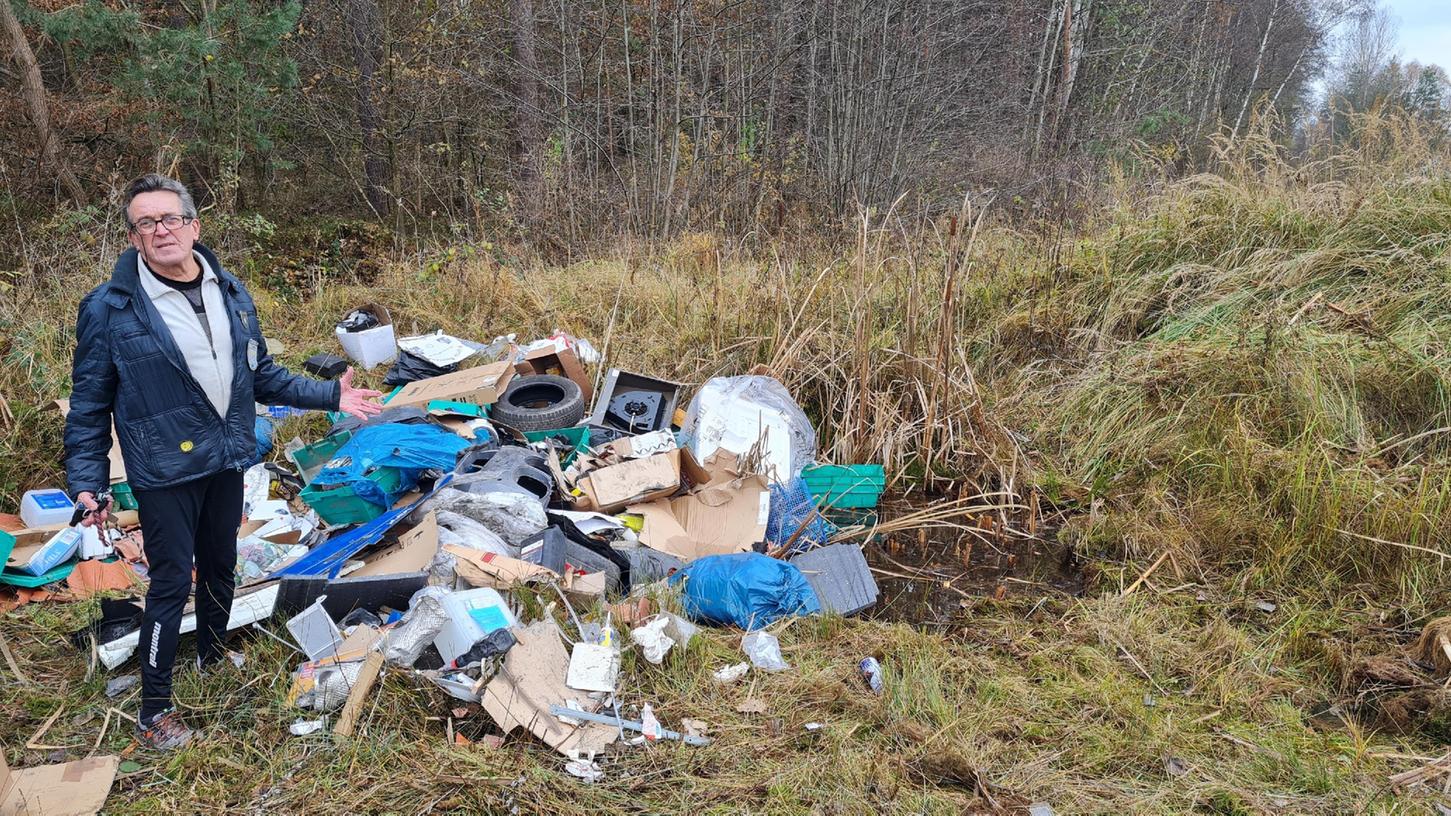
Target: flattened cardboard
75,788
564,363
531,680
486,569
611,489
118,465
718,519
413,552
481,385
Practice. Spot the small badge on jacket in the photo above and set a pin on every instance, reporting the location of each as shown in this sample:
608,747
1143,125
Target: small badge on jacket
252,354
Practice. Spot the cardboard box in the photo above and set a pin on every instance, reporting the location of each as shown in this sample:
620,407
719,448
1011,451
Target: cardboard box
481,385
564,363
75,788
638,481
412,553
618,384
720,518
370,347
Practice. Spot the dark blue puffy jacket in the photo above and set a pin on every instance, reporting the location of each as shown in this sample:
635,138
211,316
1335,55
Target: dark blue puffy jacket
128,367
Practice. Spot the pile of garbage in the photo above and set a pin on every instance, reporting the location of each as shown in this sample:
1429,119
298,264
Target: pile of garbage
629,514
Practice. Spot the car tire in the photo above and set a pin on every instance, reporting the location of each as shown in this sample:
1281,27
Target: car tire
540,402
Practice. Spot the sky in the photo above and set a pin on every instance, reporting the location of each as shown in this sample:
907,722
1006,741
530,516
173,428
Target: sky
1425,30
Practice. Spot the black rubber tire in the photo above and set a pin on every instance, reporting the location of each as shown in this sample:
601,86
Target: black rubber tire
540,402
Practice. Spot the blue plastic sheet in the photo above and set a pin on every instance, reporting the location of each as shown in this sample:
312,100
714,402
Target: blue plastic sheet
410,448
262,429
748,590
793,509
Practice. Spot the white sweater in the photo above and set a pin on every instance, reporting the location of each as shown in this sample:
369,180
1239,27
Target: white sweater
210,361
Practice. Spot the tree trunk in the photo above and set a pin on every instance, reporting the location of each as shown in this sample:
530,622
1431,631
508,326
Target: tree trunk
527,131
35,99
365,40
1255,77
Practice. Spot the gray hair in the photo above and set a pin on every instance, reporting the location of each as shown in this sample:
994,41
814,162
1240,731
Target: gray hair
152,183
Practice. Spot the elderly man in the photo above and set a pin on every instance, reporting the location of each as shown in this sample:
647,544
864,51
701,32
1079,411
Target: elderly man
170,347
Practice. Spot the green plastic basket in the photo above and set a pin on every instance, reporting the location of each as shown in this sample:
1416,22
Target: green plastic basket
578,440
342,505
845,486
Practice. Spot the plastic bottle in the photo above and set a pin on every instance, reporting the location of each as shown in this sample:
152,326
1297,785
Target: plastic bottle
872,673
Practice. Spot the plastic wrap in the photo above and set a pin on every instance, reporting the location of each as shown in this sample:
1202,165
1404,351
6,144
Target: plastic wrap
748,590
462,531
331,686
735,412
515,517
764,650
424,620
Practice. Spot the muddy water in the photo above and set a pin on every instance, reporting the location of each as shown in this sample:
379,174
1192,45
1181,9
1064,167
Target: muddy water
928,576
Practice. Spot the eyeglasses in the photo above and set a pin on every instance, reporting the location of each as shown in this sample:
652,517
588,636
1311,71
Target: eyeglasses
146,226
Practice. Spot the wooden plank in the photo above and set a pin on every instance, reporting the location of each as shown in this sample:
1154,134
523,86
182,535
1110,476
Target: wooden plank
367,677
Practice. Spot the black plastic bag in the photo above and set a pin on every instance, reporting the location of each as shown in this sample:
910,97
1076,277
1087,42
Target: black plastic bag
412,368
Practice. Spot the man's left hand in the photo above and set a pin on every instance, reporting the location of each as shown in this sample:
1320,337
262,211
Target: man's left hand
359,402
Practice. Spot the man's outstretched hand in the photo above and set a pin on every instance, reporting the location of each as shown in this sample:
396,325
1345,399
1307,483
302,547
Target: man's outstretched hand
359,402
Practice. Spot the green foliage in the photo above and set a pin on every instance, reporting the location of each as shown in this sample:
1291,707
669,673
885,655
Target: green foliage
212,88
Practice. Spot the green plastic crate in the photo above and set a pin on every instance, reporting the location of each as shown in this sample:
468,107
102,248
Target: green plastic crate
310,458
124,498
578,440
845,486
342,505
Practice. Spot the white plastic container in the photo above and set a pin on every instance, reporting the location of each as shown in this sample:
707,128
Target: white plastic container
314,631
39,508
471,615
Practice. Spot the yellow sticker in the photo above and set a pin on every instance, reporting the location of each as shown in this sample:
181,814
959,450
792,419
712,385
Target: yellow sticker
186,446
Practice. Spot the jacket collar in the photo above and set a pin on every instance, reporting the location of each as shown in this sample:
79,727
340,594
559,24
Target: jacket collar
126,276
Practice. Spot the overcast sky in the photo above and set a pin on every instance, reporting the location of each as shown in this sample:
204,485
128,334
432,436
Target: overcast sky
1425,30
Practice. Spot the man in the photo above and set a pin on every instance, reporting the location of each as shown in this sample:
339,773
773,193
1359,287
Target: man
170,347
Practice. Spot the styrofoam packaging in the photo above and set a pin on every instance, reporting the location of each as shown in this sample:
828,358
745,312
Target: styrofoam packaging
370,347
41,508
471,615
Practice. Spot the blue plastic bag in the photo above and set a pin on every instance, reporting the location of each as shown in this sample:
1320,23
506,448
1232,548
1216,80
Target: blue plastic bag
793,509
410,448
748,590
262,429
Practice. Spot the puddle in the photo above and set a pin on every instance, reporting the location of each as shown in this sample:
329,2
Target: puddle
925,577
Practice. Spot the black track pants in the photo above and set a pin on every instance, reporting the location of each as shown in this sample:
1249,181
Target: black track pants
197,520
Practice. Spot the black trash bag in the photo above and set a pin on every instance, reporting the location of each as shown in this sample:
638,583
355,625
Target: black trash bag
358,320
412,368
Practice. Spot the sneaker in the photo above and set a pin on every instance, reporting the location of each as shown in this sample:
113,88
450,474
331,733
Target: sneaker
166,732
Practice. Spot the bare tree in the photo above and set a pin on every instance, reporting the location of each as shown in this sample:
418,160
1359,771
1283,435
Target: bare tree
36,102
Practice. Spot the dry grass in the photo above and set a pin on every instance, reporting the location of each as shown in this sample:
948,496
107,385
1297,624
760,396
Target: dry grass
1248,371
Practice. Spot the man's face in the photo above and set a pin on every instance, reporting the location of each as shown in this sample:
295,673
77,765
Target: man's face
164,247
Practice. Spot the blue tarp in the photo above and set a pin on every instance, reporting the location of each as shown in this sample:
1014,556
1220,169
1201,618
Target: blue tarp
748,590
410,448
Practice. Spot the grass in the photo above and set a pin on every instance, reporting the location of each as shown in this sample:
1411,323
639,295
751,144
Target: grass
1246,371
